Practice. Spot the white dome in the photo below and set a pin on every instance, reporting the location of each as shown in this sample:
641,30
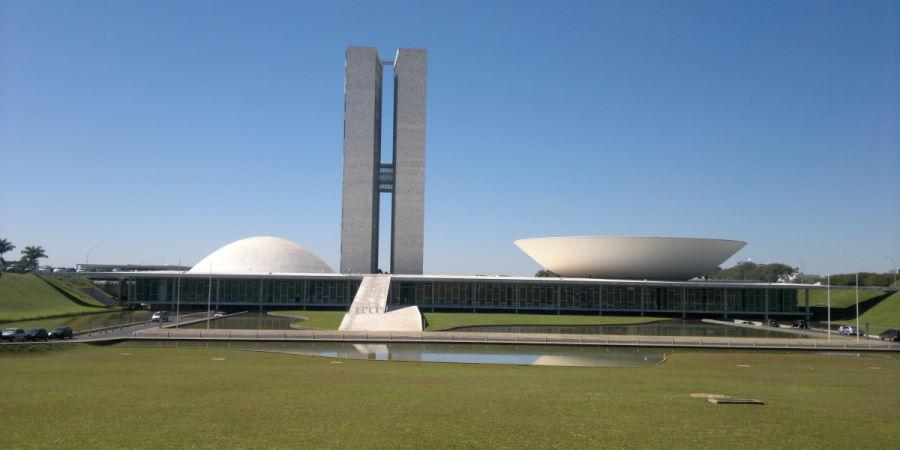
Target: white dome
648,258
261,255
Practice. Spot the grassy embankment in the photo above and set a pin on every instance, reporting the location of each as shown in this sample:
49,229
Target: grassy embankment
884,315
25,296
331,320
840,298
220,398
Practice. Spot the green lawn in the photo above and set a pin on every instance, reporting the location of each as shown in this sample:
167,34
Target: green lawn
28,297
220,398
884,315
73,291
443,321
840,298
321,320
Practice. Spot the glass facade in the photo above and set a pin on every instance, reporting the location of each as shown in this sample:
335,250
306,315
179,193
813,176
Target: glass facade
246,291
472,294
435,294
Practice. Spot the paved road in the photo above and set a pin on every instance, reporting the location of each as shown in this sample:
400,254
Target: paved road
129,331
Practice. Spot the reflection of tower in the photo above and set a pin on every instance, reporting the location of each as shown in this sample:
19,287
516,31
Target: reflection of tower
365,177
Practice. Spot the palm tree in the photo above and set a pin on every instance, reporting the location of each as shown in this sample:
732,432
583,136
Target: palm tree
32,254
5,246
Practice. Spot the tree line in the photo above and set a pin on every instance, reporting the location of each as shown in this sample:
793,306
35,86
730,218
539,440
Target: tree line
29,260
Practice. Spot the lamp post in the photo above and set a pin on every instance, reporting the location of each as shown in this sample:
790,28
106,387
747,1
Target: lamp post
893,266
857,306
828,291
802,271
87,256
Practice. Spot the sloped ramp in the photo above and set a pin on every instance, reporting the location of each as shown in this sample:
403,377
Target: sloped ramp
369,310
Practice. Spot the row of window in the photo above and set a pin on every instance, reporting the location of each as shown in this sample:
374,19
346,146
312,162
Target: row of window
468,295
238,291
591,297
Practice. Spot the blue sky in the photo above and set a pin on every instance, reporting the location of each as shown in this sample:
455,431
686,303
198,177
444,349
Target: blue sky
159,131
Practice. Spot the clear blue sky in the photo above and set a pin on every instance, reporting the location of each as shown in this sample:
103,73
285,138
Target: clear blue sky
160,131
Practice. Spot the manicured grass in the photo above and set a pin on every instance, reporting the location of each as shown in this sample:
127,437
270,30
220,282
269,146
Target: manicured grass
884,315
25,296
220,398
73,291
840,298
443,321
321,320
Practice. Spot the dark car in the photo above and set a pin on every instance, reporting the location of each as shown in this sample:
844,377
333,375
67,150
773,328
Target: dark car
13,334
61,333
801,324
37,334
890,335
770,323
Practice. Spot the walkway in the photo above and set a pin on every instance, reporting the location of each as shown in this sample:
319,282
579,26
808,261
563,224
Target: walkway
518,338
369,310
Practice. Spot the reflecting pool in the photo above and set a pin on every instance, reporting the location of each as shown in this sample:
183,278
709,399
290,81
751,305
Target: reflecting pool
660,328
248,321
536,355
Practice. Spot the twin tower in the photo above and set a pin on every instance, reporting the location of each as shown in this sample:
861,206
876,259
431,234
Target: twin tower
366,177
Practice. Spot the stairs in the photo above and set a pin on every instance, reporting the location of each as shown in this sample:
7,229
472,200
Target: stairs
369,310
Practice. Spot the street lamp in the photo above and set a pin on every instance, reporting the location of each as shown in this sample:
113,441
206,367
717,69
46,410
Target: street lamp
894,266
801,267
87,256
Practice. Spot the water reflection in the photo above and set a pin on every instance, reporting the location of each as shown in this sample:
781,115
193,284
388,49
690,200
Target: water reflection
86,322
248,321
540,355
661,328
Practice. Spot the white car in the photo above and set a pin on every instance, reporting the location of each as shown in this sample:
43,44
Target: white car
219,314
848,330
160,316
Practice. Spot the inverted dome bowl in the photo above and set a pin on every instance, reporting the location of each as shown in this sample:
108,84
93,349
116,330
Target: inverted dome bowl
640,258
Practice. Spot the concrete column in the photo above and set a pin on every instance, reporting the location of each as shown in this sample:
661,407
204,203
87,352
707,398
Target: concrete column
806,302
362,160
408,212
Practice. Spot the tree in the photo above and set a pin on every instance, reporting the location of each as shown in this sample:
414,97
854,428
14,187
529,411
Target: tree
5,246
546,274
32,254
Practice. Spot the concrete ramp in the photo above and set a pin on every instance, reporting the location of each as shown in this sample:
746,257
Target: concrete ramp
369,310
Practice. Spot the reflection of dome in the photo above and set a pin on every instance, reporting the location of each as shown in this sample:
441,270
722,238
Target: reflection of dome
261,254
642,258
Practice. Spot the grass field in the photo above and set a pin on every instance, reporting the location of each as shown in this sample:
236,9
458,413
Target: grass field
28,297
840,298
331,320
73,291
223,398
884,315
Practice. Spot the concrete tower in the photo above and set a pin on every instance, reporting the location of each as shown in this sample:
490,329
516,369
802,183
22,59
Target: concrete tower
365,177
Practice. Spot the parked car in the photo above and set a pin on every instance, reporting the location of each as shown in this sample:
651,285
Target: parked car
61,333
848,330
801,324
890,335
770,323
13,334
160,316
37,334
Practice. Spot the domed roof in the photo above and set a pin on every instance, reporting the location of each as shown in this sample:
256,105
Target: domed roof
261,255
